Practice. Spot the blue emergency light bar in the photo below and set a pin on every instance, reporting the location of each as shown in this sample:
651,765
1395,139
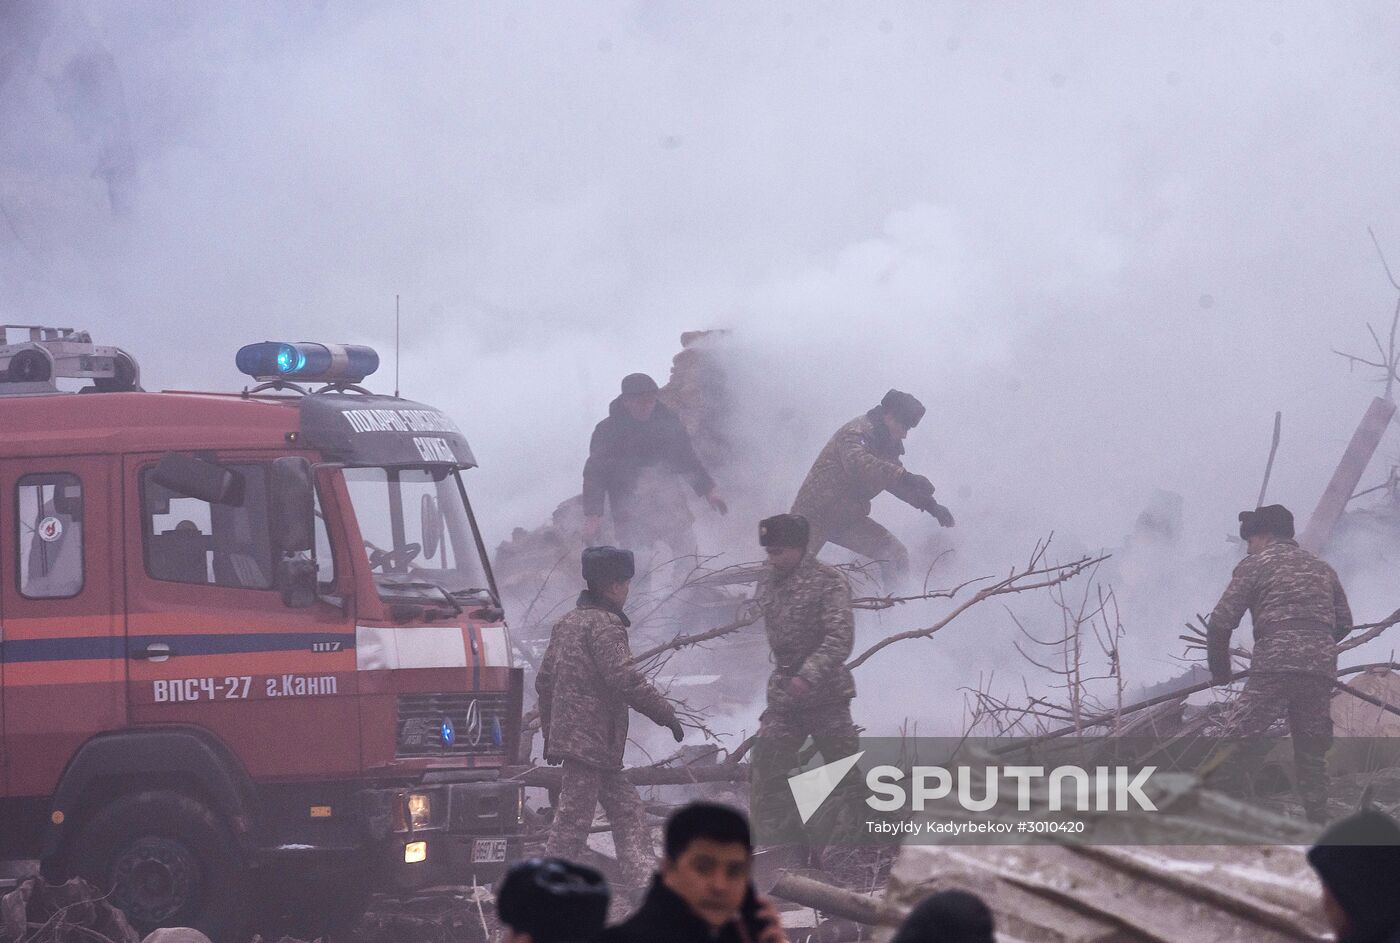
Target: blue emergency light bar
328,363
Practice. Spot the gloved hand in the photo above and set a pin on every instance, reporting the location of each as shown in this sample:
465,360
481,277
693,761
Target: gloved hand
944,516
677,730
551,760
1219,664
918,483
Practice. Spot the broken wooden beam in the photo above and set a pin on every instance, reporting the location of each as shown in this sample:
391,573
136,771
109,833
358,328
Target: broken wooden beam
1347,475
549,776
837,901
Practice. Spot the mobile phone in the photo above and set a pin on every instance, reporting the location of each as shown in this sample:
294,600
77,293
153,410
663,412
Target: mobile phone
748,913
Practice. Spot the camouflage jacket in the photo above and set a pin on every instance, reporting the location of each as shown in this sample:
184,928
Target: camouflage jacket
586,687
807,615
1298,606
859,462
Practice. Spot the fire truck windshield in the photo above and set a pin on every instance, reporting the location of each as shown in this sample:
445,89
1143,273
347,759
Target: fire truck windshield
417,534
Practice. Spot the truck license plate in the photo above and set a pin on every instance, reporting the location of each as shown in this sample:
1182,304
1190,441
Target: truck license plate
488,850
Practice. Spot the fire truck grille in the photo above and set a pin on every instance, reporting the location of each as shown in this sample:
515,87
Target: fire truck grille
453,724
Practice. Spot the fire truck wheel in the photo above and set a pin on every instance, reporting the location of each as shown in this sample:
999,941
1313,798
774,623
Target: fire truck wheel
168,862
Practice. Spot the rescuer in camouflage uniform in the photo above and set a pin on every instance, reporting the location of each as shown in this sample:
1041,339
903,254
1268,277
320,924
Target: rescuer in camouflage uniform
1300,611
586,687
807,616
861,460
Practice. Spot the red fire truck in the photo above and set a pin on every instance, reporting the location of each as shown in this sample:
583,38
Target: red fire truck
243,634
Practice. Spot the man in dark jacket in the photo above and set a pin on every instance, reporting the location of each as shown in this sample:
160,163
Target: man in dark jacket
1358,860
1299,611
862,460
703,893
636,460
586,685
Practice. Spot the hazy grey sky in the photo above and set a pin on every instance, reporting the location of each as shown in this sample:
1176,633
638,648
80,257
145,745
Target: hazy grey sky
1103,242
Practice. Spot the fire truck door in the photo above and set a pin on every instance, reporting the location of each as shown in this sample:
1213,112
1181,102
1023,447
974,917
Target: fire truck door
211,641
63,669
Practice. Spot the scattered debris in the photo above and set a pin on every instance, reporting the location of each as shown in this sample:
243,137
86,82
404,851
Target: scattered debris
73,912
1165,894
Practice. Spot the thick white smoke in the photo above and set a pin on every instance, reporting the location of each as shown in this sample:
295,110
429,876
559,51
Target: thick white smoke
1103,244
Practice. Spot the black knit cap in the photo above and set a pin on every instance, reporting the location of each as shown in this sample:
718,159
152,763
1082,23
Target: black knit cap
906,410
947,917
635,384
605,565
1273,519
784,530
1358,859
553,900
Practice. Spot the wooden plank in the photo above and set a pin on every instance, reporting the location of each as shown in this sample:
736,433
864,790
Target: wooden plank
1265,915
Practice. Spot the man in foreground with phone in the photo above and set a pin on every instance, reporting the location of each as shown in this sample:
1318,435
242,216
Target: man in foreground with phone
703,892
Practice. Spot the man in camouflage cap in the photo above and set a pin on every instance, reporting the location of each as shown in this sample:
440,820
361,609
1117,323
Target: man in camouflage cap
586,685
861,460
807,616
1300,611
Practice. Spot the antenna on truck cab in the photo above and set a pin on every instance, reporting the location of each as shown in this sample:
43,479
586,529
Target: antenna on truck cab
31,365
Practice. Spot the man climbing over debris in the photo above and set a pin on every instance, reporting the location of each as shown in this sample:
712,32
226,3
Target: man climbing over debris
1300,612
861,460
636,460
586,686
807,616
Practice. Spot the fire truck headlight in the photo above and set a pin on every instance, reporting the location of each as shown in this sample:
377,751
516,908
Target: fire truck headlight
415,851
420,810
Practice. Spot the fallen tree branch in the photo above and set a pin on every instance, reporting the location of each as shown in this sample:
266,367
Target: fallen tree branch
1368,698
1368,631
748,616
877,603
1040,575
1098,719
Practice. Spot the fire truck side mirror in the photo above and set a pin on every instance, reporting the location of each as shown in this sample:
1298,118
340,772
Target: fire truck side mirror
293,511
430,525
195,478
293,522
